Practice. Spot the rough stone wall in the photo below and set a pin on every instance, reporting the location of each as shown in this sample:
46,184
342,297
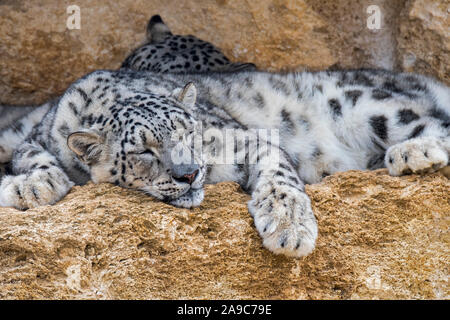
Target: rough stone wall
379,236
424,38
40,57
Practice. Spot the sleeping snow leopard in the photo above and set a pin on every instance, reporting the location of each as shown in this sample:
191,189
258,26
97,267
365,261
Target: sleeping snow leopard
161,134
164,52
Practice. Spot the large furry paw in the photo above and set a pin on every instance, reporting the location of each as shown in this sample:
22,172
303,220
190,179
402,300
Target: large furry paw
284,219
39,187
420,155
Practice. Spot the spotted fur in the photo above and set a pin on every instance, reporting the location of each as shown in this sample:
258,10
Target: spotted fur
165,52
138,130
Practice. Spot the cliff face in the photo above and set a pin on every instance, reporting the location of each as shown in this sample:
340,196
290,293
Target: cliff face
40,56
379,236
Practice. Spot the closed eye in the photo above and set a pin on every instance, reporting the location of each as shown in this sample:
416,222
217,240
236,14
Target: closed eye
146,152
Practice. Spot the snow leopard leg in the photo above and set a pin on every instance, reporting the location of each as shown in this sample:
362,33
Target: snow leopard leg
37,179
419,155
17,126
280,207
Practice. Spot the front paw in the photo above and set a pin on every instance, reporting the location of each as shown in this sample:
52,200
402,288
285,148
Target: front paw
38,188
284,219
420,155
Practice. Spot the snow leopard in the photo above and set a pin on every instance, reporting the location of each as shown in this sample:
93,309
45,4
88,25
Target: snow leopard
163,52
166,52
164,134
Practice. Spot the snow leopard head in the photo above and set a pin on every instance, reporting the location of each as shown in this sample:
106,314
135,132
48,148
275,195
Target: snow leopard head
145,141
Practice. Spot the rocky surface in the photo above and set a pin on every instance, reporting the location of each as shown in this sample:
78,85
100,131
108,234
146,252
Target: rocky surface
42,57
424,38
380,237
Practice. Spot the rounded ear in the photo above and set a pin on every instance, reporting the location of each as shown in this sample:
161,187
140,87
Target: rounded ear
87,145
187,95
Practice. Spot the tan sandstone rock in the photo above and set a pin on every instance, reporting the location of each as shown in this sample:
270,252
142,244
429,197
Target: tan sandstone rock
379,237
424,38
40,56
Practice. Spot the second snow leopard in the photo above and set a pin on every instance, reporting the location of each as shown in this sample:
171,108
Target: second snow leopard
165,52
119,127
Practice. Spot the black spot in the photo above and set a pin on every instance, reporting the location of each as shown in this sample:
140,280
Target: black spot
279,85
414,84
279,174
362,79
285,167
259,100
378,124
18,193
32,153
318,87
405,157
335,107
376,162
440,115
286,120
17,127
51,184
64,130
82,94
407,115
73,108
391,86
283,241
35,193
379,94
316,153
353,95
417,131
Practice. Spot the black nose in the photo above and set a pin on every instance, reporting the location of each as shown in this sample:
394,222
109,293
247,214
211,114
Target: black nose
187,178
